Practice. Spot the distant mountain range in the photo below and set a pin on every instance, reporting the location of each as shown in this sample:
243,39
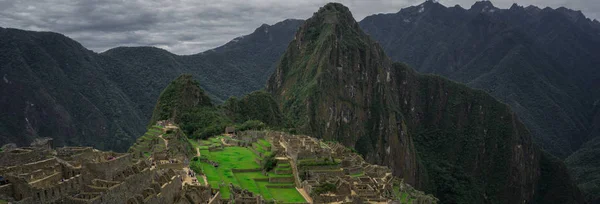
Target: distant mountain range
54,87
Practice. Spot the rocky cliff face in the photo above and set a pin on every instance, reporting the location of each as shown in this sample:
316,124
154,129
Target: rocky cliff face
461,144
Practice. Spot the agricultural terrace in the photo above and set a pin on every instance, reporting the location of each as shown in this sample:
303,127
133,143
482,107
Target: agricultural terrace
224,163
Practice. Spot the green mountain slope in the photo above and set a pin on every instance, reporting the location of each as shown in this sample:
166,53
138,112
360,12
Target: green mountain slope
54,87
541,62
460,144
258,105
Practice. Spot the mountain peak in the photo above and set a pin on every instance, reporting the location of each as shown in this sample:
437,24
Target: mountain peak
483,6
572,14
180,96
331,19
334,13
515,6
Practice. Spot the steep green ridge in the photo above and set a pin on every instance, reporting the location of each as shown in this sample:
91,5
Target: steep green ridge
186,104
179,97
441,136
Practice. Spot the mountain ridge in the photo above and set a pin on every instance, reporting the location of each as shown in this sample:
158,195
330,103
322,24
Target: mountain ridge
460,144
130,74
467,46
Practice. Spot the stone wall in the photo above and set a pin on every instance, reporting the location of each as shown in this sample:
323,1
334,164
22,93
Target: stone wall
245,170
132,185
328,198
197,194
168,192
22,189
171,166
248,200
281,179
49,180
107,170
286,171
21,156
6,191
353,170
71,151
28,168
261,179
280,186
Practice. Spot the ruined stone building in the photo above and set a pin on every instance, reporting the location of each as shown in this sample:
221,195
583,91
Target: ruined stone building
83,175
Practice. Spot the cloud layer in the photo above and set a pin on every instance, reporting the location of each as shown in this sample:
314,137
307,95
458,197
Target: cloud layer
192,26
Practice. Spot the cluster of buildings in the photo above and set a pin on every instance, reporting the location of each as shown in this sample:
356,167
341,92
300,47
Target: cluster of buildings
316,164
83,175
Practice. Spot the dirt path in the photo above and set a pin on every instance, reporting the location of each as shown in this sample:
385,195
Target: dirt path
297,178
166,141
203,175
305,195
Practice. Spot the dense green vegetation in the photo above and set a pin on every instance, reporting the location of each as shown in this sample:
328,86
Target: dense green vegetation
584,166
256,106
269,162
229,158
187,104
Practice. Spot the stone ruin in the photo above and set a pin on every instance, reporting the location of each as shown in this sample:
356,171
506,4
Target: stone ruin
315,163
83,175
243,196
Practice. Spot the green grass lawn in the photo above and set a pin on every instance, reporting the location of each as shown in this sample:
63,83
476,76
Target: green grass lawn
200,179
288,194
264,142
241,158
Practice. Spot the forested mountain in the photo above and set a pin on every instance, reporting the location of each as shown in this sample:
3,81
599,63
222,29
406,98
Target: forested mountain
54,87
542,62
461,144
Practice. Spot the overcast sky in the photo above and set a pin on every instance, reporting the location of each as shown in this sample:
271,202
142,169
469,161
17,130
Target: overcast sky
192,26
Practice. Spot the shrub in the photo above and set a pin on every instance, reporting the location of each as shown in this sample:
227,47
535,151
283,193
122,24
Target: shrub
195,166
252,125
324,188
270,162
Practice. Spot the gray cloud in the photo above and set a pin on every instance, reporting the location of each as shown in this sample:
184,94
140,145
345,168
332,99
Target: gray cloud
192,26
